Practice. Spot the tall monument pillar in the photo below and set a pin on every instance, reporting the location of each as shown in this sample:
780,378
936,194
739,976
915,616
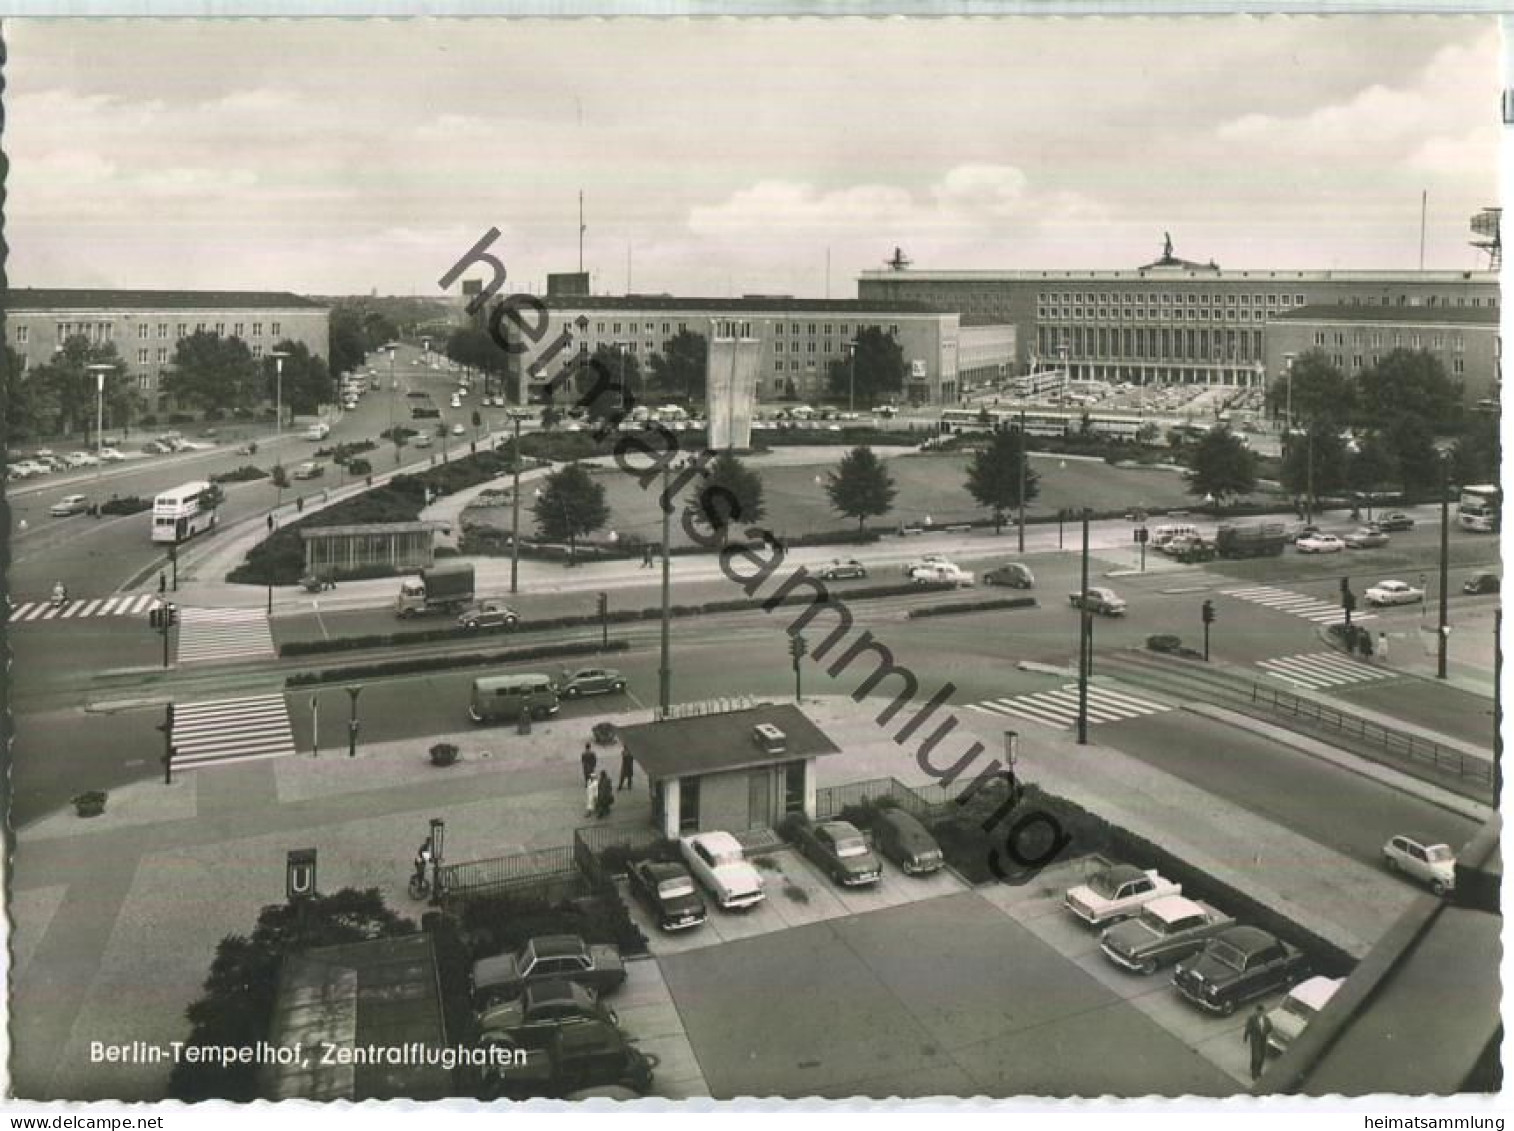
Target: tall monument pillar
731,390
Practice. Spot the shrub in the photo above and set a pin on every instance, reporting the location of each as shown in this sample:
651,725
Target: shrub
214,414
501,923
359,467
1164,642
148,420
789,827
617,859
180,418
443,663
240,475
443,754
973,607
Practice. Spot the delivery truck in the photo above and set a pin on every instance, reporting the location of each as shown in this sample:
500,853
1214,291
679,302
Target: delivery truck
1251,540
446,587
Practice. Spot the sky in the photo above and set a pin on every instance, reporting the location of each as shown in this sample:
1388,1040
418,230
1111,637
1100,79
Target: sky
726,157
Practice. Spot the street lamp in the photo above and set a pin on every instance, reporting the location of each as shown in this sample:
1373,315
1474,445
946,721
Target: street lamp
352,723
278,393
389,348
851,384
99,370
515,507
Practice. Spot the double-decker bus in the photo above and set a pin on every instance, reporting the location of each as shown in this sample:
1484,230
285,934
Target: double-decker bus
955,421
184,511
1480,508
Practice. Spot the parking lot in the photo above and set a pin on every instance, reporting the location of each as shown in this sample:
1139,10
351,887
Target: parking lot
921,986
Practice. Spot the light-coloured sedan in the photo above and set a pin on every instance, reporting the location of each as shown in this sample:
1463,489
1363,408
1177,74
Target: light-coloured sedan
1320,544
1423,859
1386,593
718,862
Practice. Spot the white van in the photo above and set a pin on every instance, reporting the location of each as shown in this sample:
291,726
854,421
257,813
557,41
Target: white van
1171,532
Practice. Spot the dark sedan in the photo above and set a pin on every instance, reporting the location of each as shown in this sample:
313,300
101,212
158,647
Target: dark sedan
901,838
1237,965
591,681
840,851
545,1006
669,894
1480,584
838,570
1395,520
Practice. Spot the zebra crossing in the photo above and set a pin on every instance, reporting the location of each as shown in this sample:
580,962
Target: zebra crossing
1285,601
1314,670
221,731
1060,708
210,636
122,605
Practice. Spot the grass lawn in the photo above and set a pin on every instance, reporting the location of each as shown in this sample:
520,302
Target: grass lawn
929,484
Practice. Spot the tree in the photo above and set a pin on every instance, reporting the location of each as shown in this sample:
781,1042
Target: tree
1371,466
682,369
993,477
879,376
1410,383
31,405
1221,466
62,392
306,383
236,1008
210,371
739,498
1476,455
607,383
1321,392
476,349
571,504
861,486
1314,463
349,348
1411,442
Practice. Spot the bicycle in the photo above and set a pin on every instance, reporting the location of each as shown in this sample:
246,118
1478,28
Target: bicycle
420,886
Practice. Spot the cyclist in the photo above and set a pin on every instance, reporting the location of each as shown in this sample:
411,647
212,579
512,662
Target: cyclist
423,857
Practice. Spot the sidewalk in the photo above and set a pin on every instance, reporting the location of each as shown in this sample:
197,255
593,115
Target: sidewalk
117,918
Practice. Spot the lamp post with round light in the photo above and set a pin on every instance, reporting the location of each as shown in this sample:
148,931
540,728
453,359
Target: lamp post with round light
278,393
99,369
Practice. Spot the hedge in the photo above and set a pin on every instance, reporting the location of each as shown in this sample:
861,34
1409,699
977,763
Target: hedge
240,475
973,607
502,923
443,663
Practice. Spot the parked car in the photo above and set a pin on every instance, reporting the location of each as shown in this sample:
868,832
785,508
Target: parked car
1320,544
1166,930
1420,858
575,1060
718,862
591,681
1013,574
489,614
901,838
308,470
1298,1009
839,570
1117,893
840,850
1481,583
1237,965
458,430
923,562
1301,530
1386,593
27,468
1367,538
421,441
80,459
504,977
531,1019
668,893
943,573
111,455
69,504
1395,520
1098,600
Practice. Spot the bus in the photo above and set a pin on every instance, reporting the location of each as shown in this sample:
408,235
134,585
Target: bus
957,421
1480,507
183,512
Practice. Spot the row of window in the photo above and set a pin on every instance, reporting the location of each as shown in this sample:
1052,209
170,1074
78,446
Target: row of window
1165,298
1376,338
1136,313
1152,343
727,329
106,331
1458,365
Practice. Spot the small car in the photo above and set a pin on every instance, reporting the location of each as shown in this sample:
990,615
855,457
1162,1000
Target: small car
1320,544
591,1058
308,470
900,837
1013,574
839,570
111,455
1367,538
421,441
840,850
1301,530
1421,858
504,977
1098,600
457,400
1166,930
718,862
1304,1000
591,681
1395,520
489,614
1237,965
943,573
69,504
1117,893
668,893
923,562
1481,583
1386,593
544,1007
80,459
458,430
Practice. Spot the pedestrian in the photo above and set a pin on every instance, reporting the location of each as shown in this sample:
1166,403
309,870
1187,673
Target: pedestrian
1364,642
627,769
162,581
588,760
604,796
646,556
591,794
1258,1029
299,504
1382,646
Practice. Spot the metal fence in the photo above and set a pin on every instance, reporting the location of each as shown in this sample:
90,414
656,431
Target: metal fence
522,869
921,801
1397,744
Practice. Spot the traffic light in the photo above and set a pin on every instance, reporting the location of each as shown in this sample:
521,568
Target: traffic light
1348,598
1208,612
798,648
604,604
155,617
